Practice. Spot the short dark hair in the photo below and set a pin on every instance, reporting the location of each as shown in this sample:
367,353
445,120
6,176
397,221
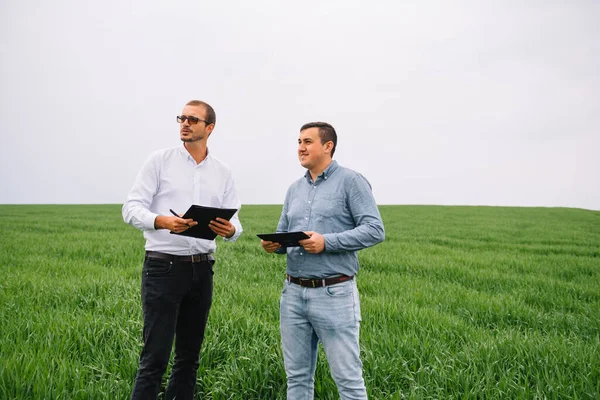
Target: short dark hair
326,133
211,117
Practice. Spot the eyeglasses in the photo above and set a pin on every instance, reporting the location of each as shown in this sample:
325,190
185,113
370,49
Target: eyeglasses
192,120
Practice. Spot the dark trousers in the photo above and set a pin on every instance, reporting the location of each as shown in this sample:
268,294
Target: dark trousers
176,299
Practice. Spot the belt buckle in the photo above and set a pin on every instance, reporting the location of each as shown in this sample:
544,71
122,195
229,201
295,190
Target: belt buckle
196,258
306,282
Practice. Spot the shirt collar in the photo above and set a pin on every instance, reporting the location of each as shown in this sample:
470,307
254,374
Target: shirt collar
185,154
325,174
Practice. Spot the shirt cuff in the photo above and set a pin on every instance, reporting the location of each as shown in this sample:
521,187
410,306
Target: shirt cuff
148,222
281,250
330,239
236,235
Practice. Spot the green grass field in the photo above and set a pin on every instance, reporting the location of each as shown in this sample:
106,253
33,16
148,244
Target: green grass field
458,303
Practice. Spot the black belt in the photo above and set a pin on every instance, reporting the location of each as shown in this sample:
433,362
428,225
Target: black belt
315,283
194,258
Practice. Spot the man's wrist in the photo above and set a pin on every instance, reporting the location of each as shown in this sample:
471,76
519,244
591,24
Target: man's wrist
158,222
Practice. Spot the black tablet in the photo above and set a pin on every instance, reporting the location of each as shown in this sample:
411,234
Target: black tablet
285,239
203,215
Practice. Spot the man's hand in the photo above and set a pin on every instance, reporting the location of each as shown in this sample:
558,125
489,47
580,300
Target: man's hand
174,224
269,247
222,227
315,244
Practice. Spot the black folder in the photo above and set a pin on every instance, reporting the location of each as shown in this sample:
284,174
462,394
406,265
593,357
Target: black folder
285,239
203,215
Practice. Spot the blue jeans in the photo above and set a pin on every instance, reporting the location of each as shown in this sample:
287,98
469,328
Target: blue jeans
176,299
330,315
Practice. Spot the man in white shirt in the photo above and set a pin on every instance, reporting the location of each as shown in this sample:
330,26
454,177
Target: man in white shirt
177,276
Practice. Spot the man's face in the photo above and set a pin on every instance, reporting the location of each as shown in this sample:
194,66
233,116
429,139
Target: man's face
311,152
192,133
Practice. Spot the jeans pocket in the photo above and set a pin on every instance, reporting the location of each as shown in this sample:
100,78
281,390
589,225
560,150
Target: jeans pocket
156,267
285,285
339,290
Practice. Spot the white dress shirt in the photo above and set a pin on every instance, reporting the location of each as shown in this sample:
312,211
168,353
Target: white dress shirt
171,179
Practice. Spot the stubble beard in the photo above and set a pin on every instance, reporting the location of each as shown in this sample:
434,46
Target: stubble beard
191,139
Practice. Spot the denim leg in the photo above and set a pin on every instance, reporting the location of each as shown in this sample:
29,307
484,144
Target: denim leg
191,322
335,315
160,300
299,343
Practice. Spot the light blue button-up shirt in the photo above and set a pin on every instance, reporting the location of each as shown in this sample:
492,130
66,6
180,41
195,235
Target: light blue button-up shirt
171,178
340,206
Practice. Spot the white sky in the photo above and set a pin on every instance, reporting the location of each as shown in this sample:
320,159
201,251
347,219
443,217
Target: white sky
435,102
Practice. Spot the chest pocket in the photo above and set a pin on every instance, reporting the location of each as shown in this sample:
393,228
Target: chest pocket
327,207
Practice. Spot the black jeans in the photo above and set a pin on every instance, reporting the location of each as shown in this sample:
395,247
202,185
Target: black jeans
176,299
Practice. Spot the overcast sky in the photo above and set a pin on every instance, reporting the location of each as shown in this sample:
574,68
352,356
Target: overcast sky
435,102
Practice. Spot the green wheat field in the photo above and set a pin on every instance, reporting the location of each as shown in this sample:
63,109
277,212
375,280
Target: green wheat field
458,303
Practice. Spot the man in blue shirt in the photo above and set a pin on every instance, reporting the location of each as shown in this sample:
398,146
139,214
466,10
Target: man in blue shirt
319,301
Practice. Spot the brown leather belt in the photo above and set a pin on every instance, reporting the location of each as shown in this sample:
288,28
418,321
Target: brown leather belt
194,258
315,283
